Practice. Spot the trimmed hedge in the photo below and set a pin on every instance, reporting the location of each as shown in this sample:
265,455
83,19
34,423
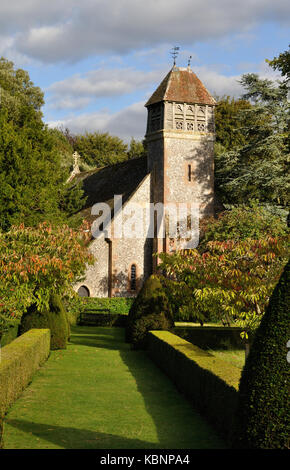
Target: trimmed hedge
115,305
210,383
1,432
104,311
212,337
54,319
151,310
263,414
19,361
92,317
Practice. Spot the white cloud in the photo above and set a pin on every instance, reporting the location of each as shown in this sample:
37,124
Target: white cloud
81,89
220,84
131,121
67,30
70,102
217,83
21,15
127,123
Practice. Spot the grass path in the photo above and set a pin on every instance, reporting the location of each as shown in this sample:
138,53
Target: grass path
99,394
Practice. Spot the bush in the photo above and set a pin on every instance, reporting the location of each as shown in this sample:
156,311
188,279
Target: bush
151,309
74,306
9,335
1,432
55,319
94,318
144,324
262,419
19,361
209,383
120,305
242,222
117,308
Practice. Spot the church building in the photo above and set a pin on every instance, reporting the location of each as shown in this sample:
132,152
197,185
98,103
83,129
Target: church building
178,169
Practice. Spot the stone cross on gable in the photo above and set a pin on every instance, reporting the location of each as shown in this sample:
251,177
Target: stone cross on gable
76,168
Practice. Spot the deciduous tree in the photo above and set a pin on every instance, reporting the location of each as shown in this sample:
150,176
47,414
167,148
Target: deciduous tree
36,263
100,149
230,281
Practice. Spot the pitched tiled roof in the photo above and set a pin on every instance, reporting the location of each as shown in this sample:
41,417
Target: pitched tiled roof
181,85
102,184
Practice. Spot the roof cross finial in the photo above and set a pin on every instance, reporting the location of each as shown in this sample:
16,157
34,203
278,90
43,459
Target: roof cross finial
174,52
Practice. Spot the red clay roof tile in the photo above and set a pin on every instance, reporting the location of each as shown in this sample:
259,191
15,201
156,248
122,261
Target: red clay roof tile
181,85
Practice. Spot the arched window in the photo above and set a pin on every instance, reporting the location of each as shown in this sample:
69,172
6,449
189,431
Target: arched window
84,291
133,272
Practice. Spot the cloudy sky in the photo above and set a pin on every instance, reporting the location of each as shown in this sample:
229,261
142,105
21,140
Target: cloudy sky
98,61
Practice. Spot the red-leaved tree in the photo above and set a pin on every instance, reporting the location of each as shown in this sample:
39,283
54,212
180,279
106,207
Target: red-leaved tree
36,262
231,280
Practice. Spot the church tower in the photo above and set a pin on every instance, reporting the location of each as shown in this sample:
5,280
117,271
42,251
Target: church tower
180,143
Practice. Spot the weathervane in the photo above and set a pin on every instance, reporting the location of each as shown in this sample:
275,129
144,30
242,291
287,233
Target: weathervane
174,52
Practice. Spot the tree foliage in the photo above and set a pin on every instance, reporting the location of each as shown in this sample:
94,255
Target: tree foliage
228,123
18,95
282,63
100,149
231,280
252,144
32,170
36,262
230,275
258,168
242,222
136,149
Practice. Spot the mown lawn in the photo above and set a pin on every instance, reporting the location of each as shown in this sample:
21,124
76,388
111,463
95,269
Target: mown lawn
235,356
99,394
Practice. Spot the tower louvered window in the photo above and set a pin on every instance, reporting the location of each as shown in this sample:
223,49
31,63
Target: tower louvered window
155,122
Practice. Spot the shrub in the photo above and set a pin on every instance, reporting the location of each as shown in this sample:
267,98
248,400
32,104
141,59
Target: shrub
146,323
9,335
242,222
74,306
151,309
120,305
117,307
1,432
262,419
55,319
209,383
19,361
